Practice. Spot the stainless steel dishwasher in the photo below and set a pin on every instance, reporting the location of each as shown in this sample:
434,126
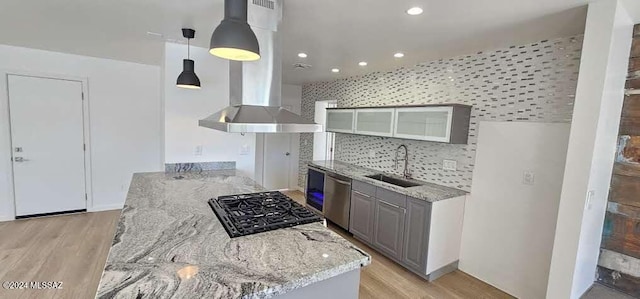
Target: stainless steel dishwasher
337,199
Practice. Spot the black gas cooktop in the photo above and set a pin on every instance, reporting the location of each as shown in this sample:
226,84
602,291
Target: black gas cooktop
246,214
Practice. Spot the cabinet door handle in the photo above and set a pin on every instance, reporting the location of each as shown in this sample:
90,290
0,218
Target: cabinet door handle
390,204
361,194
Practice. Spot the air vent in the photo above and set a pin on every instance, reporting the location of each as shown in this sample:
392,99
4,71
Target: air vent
264,3
301,66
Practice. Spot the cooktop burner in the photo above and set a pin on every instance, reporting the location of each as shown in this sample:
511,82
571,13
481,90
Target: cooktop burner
246,214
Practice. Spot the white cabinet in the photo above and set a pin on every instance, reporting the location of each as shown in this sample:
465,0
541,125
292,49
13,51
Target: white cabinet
424,123
375,121
447,123
340,120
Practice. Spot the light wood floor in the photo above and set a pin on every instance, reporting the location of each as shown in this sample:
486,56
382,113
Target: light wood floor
71,249
74,248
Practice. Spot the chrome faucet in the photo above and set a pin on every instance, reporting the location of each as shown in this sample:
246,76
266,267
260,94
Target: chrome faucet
405,173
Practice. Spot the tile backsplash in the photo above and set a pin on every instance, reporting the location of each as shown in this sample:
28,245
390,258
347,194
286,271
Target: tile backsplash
532,83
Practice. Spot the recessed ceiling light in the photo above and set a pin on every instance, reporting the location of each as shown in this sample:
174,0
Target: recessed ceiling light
362,63
414,11
302,55
335,70
398,55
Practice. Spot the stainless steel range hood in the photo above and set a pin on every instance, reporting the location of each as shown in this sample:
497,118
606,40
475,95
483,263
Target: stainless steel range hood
255,87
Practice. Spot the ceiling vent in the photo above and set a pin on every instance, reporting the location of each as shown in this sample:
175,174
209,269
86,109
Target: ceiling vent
301,66
264,3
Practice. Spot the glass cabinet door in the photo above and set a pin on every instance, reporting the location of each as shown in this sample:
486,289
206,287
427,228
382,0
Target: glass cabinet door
340,120
375,121
428,123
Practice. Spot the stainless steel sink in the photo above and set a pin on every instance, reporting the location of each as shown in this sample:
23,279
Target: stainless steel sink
393,180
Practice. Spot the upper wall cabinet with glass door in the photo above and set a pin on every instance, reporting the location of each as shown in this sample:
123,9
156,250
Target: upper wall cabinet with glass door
375,121
443,123
447,123
340,120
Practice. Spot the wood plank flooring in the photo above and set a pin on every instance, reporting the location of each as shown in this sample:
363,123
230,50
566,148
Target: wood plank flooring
74,248
71,249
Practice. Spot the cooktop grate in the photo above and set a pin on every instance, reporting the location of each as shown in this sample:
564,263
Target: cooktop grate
246,214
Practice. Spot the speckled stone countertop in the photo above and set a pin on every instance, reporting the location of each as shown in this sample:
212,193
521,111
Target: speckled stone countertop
170,244
426,191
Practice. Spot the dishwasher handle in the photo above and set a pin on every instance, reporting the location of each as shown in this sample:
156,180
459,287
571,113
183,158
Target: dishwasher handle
340,181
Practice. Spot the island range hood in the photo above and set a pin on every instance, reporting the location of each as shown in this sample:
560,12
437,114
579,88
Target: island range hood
255,88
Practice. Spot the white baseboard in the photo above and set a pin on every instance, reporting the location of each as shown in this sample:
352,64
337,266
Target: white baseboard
7,218
105,208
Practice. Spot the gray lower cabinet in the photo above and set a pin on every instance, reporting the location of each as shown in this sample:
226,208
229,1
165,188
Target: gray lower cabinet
392,223
389,228
362,215
416,234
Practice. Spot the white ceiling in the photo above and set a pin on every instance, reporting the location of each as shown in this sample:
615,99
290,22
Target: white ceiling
334,33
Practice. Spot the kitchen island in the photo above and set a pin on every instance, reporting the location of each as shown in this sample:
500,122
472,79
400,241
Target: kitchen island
170,244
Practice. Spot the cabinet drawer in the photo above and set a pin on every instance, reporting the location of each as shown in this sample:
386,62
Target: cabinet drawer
363,188
391,197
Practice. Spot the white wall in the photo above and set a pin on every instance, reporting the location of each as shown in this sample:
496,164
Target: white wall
125,123
591,151
508,230
184,107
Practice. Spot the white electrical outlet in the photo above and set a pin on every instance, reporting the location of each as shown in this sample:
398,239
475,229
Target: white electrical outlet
372,153
198,151
450,165
244,150
528,177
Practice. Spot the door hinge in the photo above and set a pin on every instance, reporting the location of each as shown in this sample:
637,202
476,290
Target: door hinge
84,147
83,95
86,197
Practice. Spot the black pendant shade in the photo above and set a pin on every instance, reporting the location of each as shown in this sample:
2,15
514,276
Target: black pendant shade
234,39
188,78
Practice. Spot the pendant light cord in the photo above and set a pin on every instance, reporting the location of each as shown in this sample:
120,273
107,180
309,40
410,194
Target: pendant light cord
188,48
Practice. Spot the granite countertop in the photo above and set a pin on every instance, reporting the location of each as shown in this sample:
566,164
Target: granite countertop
170,244
426,191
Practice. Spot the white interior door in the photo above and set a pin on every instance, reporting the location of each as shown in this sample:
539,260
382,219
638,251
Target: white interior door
47,139
277,161
278,156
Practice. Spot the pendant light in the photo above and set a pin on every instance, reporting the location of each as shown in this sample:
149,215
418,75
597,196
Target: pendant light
233,39
188,78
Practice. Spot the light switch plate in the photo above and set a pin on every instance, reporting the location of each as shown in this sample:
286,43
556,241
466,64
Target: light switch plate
372,153
528,177
590,195
450,165
198,150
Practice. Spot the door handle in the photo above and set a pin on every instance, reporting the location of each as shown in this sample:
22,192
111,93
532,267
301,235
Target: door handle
287,153
19,159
